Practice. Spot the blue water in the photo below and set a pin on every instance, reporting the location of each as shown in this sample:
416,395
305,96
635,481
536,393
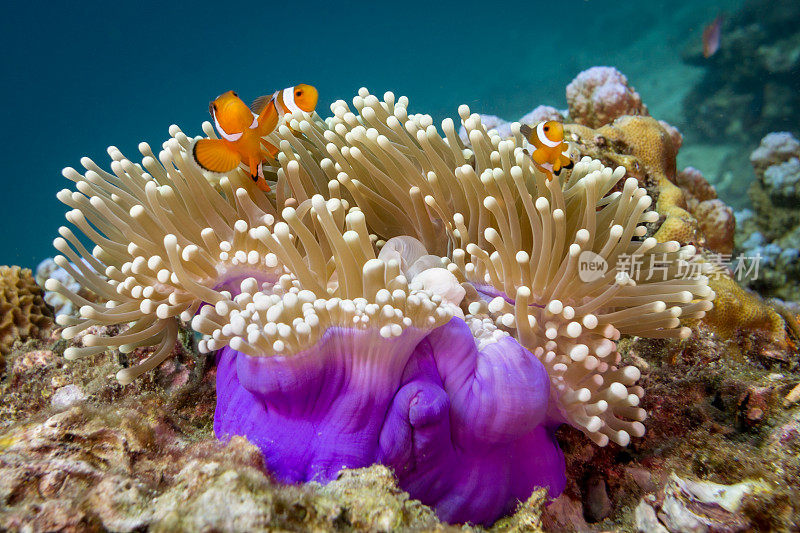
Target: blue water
79,77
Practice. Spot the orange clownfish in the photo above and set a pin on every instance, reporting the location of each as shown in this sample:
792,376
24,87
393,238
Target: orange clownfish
242,129
550,153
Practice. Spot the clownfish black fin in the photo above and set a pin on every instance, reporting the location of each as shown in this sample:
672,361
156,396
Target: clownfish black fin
569,165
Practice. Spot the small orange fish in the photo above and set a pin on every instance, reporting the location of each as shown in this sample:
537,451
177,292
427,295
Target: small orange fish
242,129
549,154
711,35
298,98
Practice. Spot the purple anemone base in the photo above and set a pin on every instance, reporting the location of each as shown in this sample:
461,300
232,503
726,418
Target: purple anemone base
465,430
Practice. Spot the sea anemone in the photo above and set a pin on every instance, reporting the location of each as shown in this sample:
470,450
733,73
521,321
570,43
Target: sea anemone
401,299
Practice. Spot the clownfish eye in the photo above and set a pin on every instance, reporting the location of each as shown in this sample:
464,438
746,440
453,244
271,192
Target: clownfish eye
298,93
546,128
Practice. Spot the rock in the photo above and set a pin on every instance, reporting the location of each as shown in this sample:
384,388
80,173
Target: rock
702,506
527,517
597,505
646,519
564,514
66,397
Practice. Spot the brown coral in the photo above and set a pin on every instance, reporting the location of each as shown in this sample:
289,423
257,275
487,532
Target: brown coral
23,312
716,220
717,224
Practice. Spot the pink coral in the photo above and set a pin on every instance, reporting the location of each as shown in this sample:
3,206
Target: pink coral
715,218
695,187
540,114
674,134
717,225
599,95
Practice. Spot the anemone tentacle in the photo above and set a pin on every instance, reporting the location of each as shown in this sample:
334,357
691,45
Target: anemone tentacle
393,257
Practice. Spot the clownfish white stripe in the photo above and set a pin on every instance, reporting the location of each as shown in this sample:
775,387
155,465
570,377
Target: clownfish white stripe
543,138
232,137
254,124
288,100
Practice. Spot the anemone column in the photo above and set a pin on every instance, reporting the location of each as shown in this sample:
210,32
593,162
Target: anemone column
468,431
317,411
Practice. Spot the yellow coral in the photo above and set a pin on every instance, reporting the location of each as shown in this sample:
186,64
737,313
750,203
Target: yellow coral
645,148
736,309
651,146
23,312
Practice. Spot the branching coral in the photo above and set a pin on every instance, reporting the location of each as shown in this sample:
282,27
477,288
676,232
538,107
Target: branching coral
402,298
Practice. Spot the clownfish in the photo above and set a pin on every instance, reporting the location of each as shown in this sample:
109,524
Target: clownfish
242,128
290,100
550,153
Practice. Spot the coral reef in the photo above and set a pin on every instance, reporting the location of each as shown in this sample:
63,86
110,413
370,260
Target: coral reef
709,410
406,297
437,283
599,95
143,456
502,127
750,86
715,219
645,148
771,230
23,312
690,213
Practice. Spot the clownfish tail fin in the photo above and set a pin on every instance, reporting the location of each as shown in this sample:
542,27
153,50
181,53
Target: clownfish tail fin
526,131
214,155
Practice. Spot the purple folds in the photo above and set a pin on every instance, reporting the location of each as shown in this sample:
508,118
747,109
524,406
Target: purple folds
465,430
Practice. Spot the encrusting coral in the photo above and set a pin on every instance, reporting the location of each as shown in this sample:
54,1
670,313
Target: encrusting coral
402,298
23,311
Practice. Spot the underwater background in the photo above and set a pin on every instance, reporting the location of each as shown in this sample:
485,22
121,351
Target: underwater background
82,76
399,326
